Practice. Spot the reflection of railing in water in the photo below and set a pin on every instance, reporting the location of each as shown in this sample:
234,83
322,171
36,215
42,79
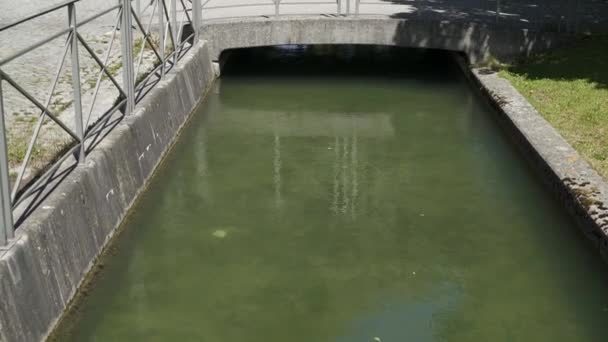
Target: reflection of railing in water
134,85
345,177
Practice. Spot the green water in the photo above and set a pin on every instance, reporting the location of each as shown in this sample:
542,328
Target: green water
334,198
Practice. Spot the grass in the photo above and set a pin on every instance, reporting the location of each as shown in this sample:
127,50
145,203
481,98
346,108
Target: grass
569,88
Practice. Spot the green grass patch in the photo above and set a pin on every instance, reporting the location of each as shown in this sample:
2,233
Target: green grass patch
569,87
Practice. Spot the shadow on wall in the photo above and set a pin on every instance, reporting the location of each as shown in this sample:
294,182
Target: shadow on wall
570,63
479,41
540,15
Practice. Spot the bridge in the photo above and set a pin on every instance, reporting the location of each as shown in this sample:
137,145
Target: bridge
59,207
479,29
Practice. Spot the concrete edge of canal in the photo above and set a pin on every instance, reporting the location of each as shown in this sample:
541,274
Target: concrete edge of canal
579,188
42,268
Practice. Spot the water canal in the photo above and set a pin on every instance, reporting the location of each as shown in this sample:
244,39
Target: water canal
347,195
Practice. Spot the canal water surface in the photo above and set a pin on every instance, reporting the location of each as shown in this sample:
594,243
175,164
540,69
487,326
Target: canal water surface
347,195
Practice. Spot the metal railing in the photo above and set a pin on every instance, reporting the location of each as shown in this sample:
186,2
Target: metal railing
342,7
169,45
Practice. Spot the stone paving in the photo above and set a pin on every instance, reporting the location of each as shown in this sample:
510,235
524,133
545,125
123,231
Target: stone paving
35,70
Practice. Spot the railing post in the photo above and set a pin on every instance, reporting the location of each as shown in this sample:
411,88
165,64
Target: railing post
161,36
196,19
348,7
277,3
174,30
339,2
7,229
126,36
357,4
76,80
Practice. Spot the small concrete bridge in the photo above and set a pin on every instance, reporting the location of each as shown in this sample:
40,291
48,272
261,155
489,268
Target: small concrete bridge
478,28
478,41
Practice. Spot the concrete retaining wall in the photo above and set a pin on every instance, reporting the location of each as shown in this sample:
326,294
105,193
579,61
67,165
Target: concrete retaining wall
477,41
582,191
41,269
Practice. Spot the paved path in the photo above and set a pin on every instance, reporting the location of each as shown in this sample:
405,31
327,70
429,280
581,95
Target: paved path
551,14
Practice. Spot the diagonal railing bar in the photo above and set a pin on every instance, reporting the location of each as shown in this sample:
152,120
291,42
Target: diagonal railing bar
52,37
147,33
173,25
178,50
36,185
38,14
181,23
100,14
169,25
100,63
49,113
185,14
41,117
34,46
93,129
143,86
101,72
161,39
186,10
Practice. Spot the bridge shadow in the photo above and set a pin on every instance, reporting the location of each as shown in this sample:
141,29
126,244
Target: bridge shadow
478,40
541,15
529,54
570,64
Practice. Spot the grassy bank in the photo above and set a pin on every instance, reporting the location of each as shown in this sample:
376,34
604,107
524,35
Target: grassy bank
569,88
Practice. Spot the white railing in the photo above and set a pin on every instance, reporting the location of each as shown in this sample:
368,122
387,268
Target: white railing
160,31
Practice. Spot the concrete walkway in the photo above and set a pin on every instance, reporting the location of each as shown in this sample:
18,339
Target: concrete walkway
548,14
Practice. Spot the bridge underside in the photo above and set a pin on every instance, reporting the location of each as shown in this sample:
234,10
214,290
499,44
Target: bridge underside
477,41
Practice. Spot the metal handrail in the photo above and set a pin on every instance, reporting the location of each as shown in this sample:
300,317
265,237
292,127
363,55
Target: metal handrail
130,91
38,14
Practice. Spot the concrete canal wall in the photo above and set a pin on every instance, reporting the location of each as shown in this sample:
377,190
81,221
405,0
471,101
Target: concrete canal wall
40,270
579,188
